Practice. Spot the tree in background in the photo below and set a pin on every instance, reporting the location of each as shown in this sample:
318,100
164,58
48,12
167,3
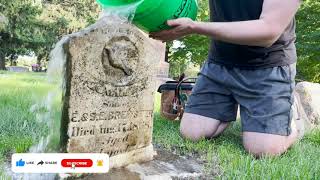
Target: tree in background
34,26
22,31
67,16
3,23
308,41
192,50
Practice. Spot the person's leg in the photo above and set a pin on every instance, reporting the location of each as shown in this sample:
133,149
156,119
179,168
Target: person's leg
210,107
195,127
261,144
223,126
266,105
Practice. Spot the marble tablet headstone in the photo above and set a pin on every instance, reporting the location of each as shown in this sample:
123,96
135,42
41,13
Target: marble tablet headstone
110,85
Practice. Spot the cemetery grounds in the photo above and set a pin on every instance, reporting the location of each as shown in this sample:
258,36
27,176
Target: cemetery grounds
24,121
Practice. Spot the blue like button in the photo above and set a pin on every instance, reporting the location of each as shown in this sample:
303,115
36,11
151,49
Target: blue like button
20,163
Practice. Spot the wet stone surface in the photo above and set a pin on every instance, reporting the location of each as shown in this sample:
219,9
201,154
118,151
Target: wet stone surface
110,85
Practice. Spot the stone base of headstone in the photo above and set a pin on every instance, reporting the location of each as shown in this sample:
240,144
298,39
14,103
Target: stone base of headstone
165,166
140,155
310,98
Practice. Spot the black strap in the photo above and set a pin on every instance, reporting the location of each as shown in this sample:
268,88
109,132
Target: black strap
177,91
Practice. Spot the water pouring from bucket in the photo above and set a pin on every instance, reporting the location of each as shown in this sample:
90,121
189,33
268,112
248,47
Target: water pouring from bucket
152,15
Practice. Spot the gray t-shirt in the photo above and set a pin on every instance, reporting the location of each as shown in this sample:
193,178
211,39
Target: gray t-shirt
282,52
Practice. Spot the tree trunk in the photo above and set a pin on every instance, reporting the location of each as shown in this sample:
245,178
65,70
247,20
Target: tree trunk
39,58
11,62
2,61
166,59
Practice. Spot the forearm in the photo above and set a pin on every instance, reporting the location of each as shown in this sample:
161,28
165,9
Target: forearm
252,33
275,17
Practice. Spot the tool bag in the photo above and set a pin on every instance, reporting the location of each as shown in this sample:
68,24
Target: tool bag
174,97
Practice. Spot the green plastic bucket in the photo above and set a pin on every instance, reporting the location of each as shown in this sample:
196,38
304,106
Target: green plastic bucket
152,15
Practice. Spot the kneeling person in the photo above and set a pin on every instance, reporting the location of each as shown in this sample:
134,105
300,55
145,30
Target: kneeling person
251,64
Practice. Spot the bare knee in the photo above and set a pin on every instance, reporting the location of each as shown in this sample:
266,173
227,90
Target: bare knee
190,134
265,150
196,127
259,144
190,129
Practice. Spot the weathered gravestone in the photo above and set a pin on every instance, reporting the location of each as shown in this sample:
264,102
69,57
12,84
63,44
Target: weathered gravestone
17,69
108,103
310,100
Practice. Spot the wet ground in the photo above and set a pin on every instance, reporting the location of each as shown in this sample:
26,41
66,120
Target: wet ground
165,165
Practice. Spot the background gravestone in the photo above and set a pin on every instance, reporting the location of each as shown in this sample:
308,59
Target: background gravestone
110,85
310,99
17,69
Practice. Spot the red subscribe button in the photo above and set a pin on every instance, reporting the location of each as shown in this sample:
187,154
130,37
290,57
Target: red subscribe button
79,163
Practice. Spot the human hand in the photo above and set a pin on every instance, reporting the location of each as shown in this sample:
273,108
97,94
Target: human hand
181,27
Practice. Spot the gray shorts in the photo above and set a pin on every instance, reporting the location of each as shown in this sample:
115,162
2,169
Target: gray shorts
265,97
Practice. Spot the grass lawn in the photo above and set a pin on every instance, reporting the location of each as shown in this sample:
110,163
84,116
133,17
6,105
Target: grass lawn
24,111
22,123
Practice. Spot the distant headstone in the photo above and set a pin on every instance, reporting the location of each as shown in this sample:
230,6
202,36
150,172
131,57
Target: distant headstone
310,99
163,73
110,85
17,69
163,69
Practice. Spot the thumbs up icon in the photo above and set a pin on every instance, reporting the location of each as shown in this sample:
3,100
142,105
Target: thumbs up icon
20,163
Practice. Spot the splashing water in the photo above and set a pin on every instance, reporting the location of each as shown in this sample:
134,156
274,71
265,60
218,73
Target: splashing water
46,112
56,77
124,13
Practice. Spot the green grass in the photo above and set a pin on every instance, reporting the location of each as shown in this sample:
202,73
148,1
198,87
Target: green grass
227,159
224,158
23,111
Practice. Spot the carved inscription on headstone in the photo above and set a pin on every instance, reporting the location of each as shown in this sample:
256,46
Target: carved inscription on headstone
108,104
